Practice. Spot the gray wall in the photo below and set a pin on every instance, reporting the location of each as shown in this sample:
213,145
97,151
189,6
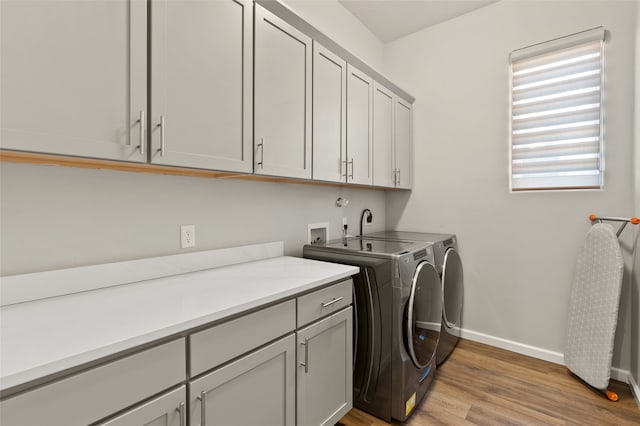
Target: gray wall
518,249
57,217
331,17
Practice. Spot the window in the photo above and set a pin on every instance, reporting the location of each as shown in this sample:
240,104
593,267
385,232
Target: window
556,113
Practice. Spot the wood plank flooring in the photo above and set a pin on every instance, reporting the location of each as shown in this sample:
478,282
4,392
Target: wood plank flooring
483,385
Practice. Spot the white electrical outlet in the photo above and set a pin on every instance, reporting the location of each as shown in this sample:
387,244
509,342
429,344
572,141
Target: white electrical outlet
187,236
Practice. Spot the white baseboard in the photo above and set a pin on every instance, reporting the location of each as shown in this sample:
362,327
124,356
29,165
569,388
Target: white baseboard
620,374
533,351
635,389
521,348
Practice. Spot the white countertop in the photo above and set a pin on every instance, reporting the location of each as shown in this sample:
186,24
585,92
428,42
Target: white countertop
50,335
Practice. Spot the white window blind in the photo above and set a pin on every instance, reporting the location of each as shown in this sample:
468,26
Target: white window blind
556,113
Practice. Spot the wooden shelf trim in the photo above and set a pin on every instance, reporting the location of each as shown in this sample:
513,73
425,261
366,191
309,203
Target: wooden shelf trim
92,163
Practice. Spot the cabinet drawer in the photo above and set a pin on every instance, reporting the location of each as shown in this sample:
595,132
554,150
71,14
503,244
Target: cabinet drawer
323,302
94,394
218,344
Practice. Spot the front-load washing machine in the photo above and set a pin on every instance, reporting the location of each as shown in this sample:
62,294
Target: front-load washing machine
449,266
398,315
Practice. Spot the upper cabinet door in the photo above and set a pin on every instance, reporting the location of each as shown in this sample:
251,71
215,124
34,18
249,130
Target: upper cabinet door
201,84
282,134
329,115
73,77
384,172
403,144
359,126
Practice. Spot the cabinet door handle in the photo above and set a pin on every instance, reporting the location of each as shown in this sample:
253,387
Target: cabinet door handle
395,177
141,122
305,364
351,162
203,410
398,177
261,146
334,300
346,169
161,125
181,413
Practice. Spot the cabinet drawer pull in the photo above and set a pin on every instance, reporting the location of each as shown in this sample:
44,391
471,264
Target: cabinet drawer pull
181,412
305,364
141,121
334,300
261,146
161,125
203,410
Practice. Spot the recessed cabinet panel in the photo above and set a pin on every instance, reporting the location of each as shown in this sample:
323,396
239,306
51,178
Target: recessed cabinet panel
73,77
325,362
258,389
329,115
383,162
359,126
282,137
201,84
166,410
403,144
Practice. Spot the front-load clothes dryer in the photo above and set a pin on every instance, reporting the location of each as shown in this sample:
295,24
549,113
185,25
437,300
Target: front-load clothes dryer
449,266
398,315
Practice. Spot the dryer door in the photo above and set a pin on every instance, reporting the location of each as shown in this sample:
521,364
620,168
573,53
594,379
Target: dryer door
424,315
453,291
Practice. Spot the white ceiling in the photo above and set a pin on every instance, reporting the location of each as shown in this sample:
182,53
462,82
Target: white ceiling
392,19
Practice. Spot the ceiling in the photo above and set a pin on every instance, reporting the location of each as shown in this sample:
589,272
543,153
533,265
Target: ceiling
392,19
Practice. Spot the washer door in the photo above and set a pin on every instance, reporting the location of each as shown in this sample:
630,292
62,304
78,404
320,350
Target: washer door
424,315
453,291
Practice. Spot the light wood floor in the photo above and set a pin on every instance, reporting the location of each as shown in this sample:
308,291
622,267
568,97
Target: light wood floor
483,385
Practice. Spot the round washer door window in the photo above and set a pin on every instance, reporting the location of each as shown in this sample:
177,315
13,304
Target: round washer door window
424,315
453,291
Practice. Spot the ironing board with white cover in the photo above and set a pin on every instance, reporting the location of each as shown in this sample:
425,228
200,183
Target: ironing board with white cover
593,307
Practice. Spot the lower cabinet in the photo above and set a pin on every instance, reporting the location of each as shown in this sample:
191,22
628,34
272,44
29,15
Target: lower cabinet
325,355
257,389
167,410
286,364
241,376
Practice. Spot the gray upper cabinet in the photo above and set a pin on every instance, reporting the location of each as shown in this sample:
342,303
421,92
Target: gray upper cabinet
403,144
209,84
201,84
383,137
73,77
282,98
392,139
359,127
329,115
